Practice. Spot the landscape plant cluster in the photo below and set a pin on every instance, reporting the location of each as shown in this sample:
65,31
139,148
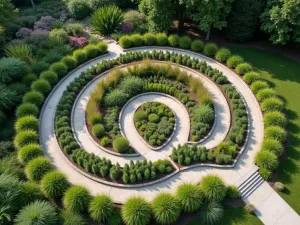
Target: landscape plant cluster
155,122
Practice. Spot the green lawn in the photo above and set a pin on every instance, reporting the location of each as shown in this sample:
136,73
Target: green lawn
235,216
285,75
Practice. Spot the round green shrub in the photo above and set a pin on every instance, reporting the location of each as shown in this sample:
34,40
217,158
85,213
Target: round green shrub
136,40
58,34
185,42
121,144
70,62
38,213
29,78
39,67
116,97
37,168
105,141
173,40
154,118
98,130
212,213
71,218
149,39
197,46
275,132
25,137
91,51
59,68
27,109
125,41
166,208
243,68
27,123
79,9
102,47
132,85
210,49
80,56
251,77
190,197
272,145
223,55
234,61
272,104
259,85
49,76
136,211
30,192
42,86
274,119
76,198
267,160
161,39
265,93
140,116
232,192
54,184
29,152
213,188
265,173
34,97
101,207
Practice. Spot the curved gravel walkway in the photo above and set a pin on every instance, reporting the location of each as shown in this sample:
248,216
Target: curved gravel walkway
267,207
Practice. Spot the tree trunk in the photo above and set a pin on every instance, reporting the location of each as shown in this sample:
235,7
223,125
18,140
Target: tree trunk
181,21
208,34
32,3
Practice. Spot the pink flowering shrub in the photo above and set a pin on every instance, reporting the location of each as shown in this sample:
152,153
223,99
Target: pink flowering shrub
78,42
44,23
126,27
23,33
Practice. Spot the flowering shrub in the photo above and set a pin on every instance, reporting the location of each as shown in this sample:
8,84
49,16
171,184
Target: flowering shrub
44,23
23,33
78,42
126,27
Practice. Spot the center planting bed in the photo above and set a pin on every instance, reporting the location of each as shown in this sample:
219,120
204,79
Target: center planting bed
155,122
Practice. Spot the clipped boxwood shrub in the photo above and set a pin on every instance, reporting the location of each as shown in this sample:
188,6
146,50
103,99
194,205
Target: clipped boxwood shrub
54,184
275,132
121,144
185,42
76,198
223,55
154,118
161,39
274,119
42,86
79,9
101,208
140,116
80,56
267,160
272,145
29,152
265,93
27,109
37,168
149,39
272,104
136,210
258,85
102,47
136,40
70,62
49,76
125,41
91,51
197,46
166,208
59,68
34,97
213,188
251,77
105,141
173,40
190,197
243,68
234,61
27,123
210,49
98,130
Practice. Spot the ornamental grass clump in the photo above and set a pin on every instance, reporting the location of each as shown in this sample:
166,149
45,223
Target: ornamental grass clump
213,188
25,137
251,77
223,55
27,109
243,68
37,168
91,51
267,160
59,68
136,211
161,39
42,86
80,56
76,198
34,97
132,85
234,61
166,208
258,85
49,76
275,119
69,61
136,40
98,130
272,104
212,213
116,97
173,40
272,145
54,184
232,192
29,152
27,123
263,94
101,208
275,132
149,39
30,192
125,41
190,197
72,218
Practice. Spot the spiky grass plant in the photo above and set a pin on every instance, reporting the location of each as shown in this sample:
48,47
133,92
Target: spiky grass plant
25,137
166,208
71,218
136,211
9,97
54,184
107,19
37,168
29,152
266,93
101,208
213,188
275,118
27,123
272,104
267,160
275,132
30,192
115,218
34,97
76,198
211,213
189,196
22,52
37,213
272,145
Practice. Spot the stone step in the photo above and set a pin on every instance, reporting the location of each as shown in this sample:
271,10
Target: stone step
251,188
248,181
